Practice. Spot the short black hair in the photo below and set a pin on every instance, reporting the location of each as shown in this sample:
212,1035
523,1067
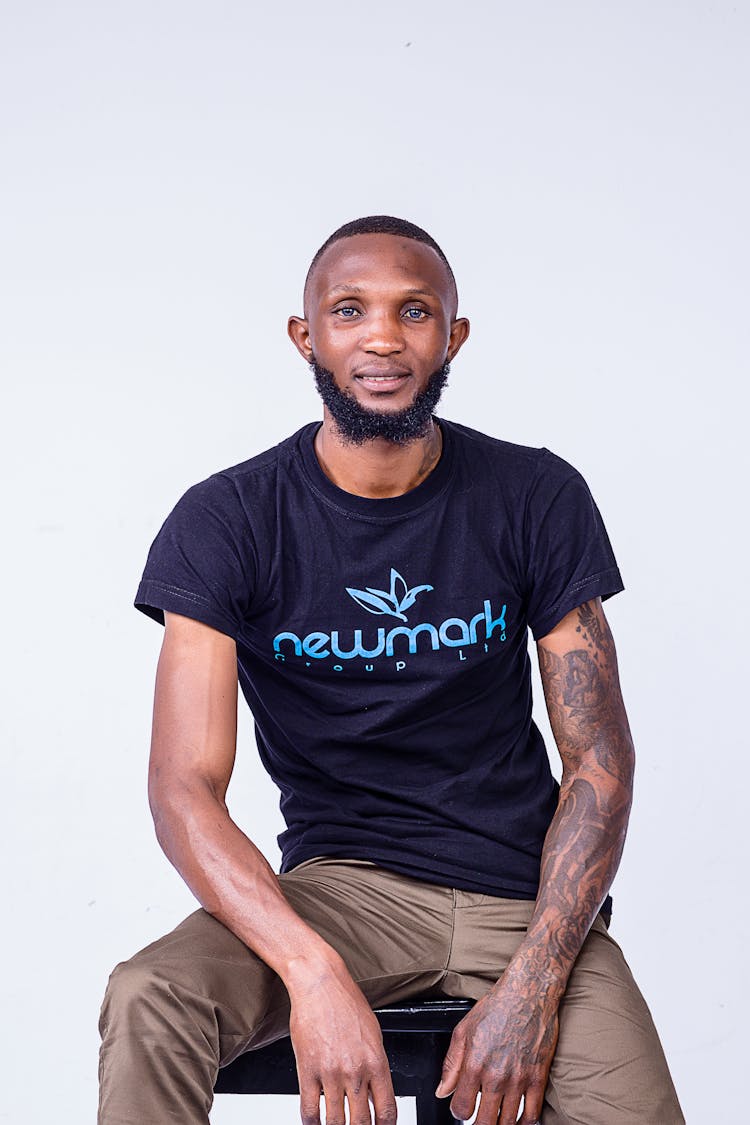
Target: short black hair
381,224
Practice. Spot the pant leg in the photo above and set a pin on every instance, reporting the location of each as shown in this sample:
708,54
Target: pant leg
198,997
609,1066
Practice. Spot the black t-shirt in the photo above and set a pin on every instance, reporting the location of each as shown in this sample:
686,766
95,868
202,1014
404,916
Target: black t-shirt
382,645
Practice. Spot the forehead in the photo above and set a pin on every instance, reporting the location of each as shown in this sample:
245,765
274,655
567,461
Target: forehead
380,262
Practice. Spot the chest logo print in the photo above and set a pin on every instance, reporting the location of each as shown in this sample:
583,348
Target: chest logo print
395,640
393,601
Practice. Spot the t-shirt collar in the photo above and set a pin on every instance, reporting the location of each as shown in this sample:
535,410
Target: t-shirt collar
390,507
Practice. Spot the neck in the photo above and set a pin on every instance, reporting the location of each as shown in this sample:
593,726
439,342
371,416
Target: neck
376,469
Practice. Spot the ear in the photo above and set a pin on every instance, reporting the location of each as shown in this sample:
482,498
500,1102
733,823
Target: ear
458,337
299,334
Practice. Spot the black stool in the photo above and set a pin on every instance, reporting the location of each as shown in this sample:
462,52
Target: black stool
415,1035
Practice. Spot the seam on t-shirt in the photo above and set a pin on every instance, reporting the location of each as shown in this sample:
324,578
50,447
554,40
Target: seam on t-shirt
572,589
542,618
188,594
377,519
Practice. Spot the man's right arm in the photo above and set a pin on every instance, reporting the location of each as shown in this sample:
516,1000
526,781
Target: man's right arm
336,1037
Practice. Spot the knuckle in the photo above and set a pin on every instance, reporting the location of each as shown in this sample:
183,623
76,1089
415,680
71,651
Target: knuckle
386,1115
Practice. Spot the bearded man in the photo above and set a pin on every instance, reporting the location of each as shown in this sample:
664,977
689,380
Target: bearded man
370,583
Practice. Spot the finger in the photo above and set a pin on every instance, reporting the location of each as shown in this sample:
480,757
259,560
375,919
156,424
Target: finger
451,1066
334,1103
489,1108
359,1103
383,1100
309,1101
464,1100
532,1105
509,1111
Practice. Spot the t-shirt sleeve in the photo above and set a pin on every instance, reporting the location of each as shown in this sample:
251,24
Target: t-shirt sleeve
202,562
569,555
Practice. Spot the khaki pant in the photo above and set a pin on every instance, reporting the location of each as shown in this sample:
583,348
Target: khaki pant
198,997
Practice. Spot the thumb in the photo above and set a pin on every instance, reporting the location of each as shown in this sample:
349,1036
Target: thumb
451,1068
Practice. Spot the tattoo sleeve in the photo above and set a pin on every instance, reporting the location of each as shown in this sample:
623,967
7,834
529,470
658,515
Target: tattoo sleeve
585,839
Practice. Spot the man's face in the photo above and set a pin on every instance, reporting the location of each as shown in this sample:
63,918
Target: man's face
380,318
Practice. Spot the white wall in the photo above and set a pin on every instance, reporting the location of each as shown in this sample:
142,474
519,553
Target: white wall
168,170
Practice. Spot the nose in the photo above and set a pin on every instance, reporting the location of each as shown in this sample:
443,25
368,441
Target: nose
383,335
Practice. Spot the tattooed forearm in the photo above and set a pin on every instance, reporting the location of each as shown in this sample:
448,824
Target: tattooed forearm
585,839
505,1045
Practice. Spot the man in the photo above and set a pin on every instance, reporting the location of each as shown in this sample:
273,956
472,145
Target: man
371,581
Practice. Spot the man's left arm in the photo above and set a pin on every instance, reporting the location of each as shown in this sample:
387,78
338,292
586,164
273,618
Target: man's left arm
505,1046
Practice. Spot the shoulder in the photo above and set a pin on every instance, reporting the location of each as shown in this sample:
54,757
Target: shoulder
525,465
240,486
270,461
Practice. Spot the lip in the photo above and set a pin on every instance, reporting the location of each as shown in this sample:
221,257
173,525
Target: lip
378,380
382,383
380,373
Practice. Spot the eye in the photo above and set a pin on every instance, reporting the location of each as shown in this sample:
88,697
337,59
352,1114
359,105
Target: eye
415,313
347,312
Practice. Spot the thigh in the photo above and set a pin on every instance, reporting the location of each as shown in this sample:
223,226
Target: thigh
609,1066
391,931
197,979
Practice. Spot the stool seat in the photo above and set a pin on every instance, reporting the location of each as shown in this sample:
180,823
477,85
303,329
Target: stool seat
416,1035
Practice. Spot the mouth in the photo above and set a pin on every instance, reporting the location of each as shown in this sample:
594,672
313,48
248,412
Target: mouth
382,382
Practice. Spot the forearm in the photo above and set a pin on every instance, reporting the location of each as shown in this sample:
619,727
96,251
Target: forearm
581,855
235,883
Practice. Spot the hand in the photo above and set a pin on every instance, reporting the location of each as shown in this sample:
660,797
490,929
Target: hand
503,1048
338,1045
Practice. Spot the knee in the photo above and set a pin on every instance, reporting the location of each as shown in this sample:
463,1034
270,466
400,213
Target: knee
137,994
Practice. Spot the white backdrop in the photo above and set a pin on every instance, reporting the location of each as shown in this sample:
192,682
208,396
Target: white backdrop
168,170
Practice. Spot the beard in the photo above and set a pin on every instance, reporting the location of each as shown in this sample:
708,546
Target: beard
357,424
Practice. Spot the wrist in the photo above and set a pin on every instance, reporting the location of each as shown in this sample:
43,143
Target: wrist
303,971
536,975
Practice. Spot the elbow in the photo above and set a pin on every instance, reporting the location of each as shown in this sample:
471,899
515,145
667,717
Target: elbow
616,774
170,802
626,770
609,769
162,810
177,803
614,759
